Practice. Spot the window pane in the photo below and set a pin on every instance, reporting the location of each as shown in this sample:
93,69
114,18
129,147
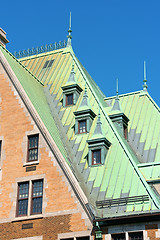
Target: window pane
120,236
23,189
37,188
37,205
82,126
69,99
23,207
136,236
96,156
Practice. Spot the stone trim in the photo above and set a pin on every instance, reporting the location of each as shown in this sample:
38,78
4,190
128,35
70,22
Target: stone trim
25,147
61,236
30,238
14,194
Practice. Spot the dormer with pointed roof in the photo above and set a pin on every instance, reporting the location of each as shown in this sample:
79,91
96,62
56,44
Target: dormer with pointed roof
118,117
84,115
98,145
71,90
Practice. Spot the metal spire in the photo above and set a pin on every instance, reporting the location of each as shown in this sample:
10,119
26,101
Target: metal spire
117,97
98,129
69,33
117,105
145,79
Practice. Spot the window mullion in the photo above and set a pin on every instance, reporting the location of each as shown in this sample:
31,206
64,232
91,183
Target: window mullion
29,198
127,236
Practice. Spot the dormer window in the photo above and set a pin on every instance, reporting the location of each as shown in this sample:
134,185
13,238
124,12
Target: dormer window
71,90
120,120
83,120
96,157
69,99
98,149
82,126
71,94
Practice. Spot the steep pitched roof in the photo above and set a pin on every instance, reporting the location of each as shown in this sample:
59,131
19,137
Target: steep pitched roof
119,177
144,130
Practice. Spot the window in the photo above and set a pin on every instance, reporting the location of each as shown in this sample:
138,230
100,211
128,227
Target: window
136,236
132,236
23,192
96,157
37,193
69,99
25,197
82,126
120,236
33,148
48,63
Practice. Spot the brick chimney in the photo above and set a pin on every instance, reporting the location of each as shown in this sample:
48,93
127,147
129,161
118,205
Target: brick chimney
3,39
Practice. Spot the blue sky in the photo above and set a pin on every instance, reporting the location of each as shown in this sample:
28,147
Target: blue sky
110,38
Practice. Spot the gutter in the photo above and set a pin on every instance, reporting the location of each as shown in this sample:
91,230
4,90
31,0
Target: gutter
130,218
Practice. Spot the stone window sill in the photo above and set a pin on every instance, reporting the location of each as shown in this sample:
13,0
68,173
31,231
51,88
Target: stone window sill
30,163
17,219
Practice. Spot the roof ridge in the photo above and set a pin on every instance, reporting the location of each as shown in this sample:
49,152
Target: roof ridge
122,95
118,137
21,64
153,102
41,49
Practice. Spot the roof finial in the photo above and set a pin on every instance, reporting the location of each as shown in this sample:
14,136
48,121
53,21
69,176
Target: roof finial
145,79
117,90
69,35
98,129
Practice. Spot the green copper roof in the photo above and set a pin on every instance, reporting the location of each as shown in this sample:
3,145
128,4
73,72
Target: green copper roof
120,175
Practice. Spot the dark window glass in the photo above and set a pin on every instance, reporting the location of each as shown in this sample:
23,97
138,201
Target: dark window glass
120,236
48,63
125,132
69,99
136,236
82,126
33,148
37,194
67,239
23,189
96,156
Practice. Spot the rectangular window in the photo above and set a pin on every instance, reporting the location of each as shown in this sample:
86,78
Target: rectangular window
37,194
82,126
33,148
120,236
23,193
69,99
33,196
136,236
96,157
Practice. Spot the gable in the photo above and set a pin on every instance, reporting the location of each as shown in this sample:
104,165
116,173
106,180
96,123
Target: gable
18,121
